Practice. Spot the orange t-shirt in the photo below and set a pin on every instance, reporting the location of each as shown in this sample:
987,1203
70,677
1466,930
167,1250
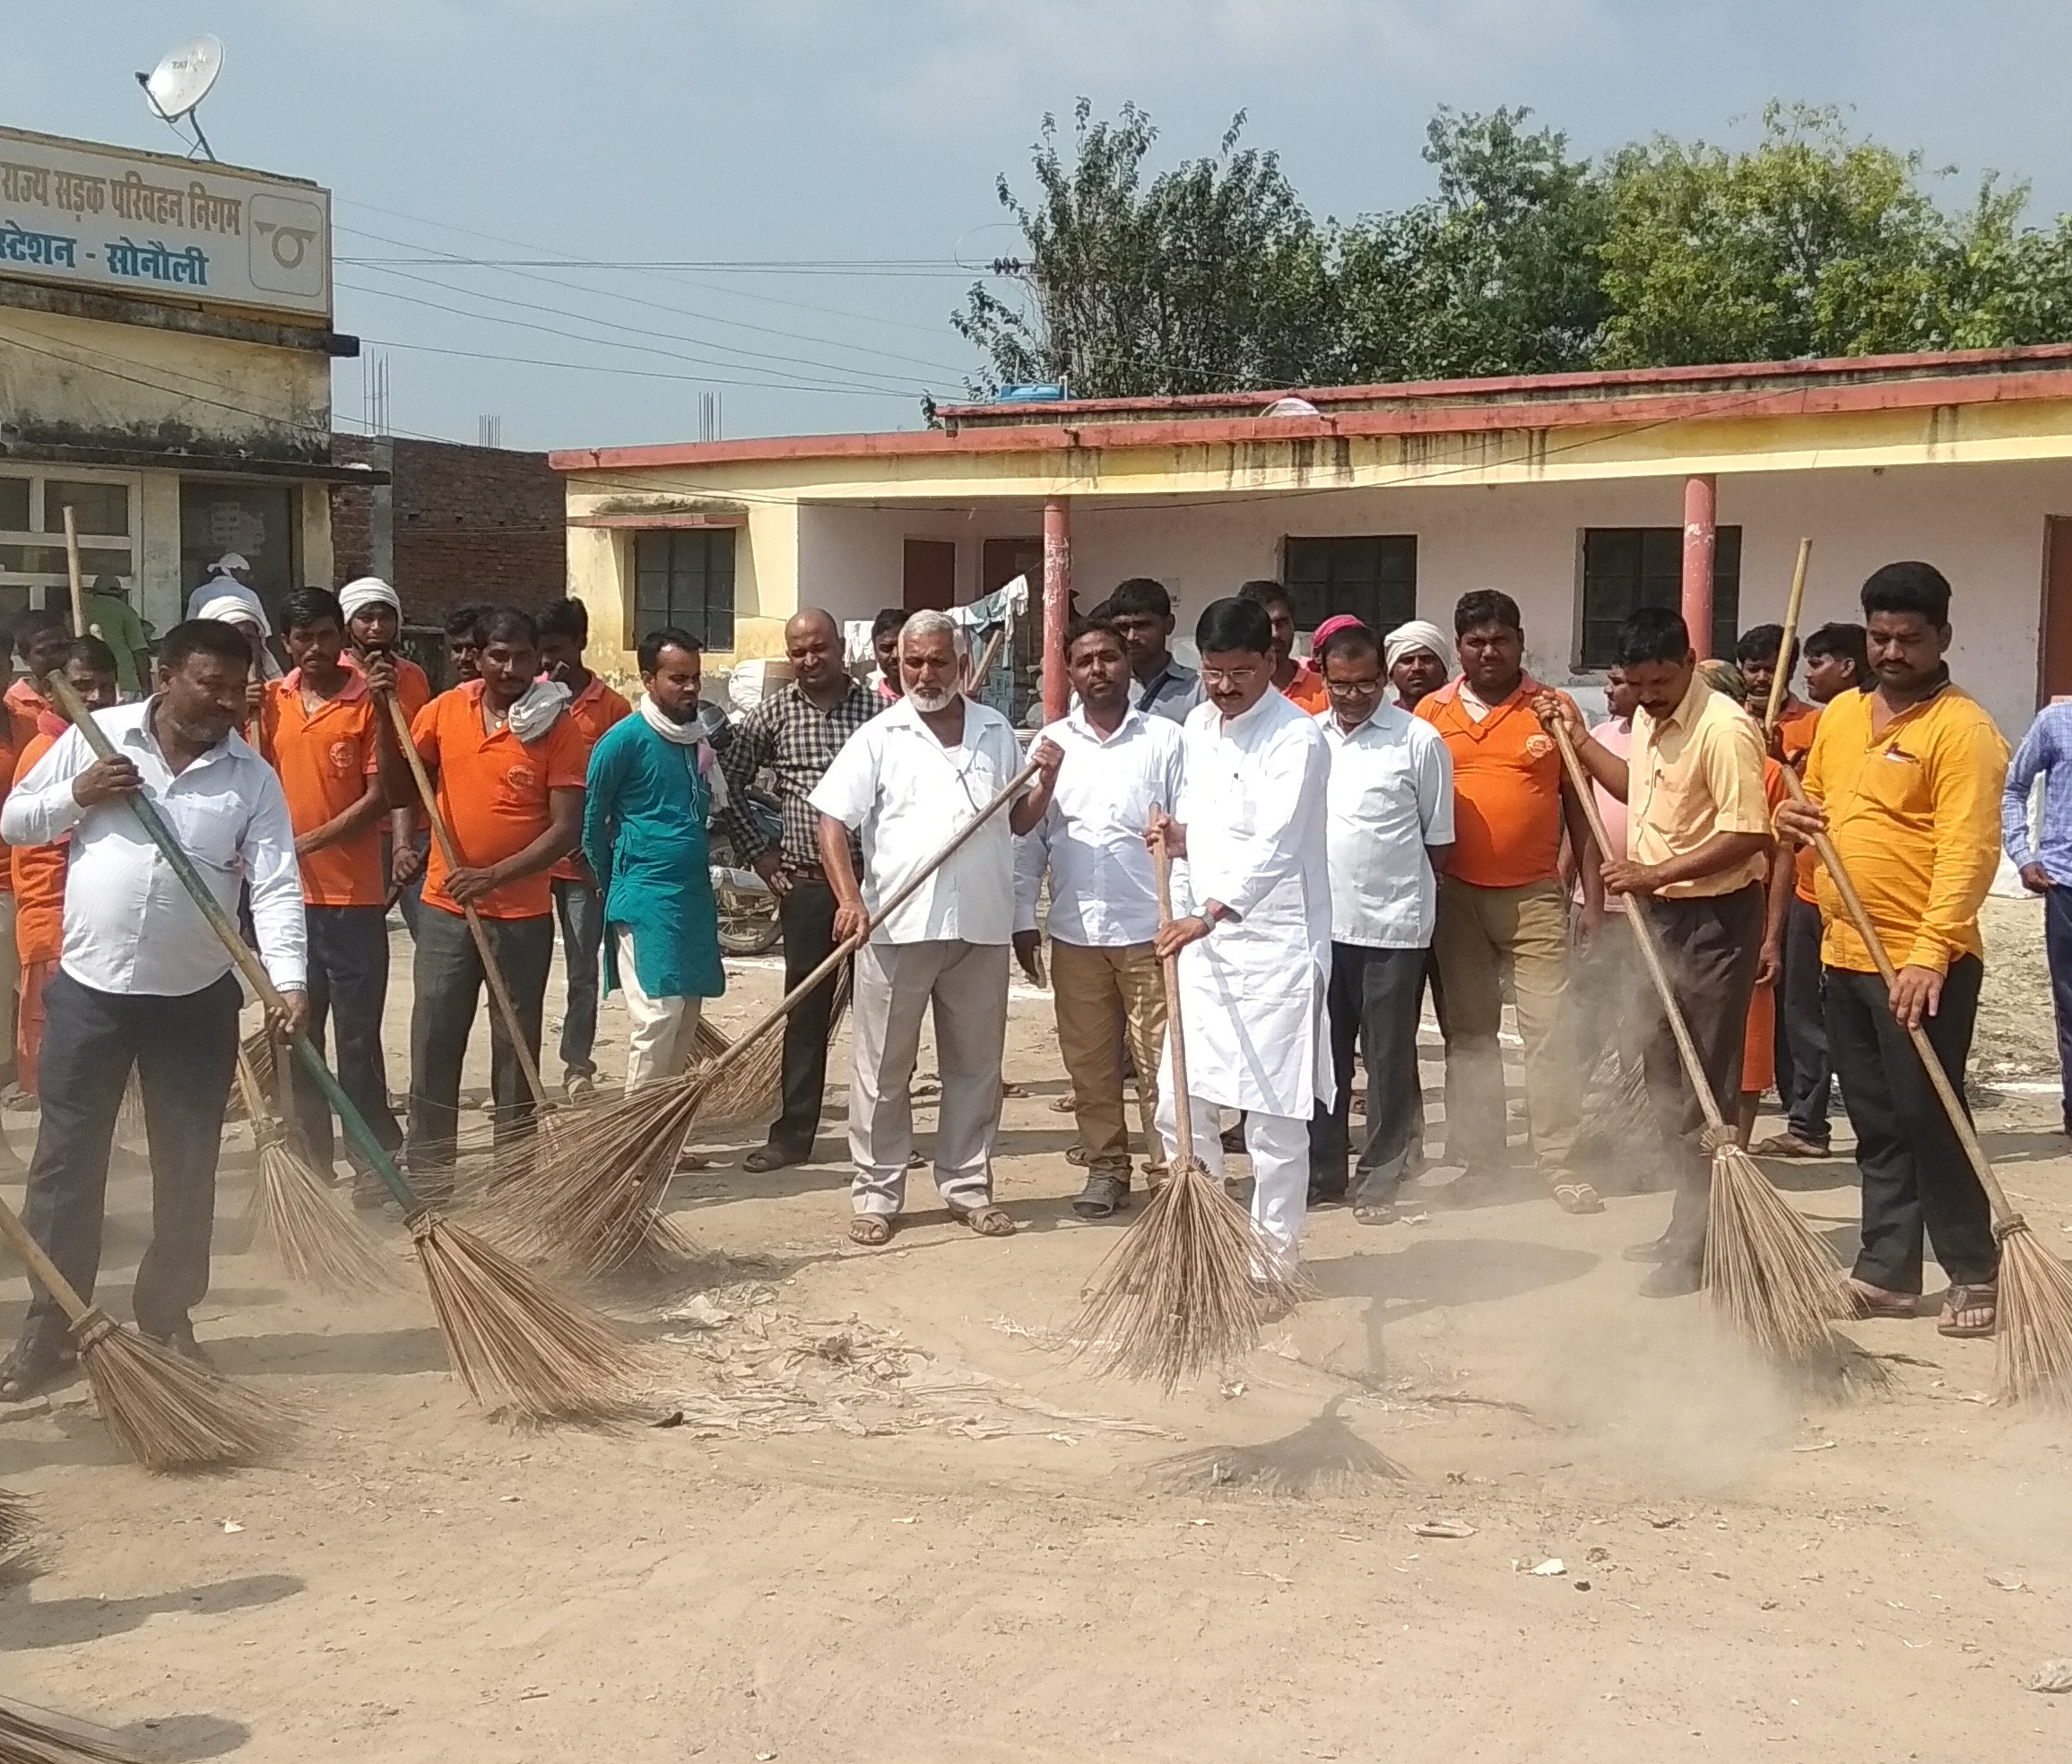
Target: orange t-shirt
1506,788
25,705
594,710
1306,690
493,796
37,873
413,685
324,760
1796,728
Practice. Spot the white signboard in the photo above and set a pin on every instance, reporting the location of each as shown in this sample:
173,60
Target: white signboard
119,221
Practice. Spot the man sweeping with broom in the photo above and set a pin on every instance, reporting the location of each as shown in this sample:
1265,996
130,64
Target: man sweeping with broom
1697,844
143,980
1906,780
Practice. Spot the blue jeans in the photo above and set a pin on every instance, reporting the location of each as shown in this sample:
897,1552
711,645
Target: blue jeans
580,908
2058,952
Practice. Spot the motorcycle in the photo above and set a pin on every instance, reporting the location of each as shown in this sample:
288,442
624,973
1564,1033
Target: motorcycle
748,910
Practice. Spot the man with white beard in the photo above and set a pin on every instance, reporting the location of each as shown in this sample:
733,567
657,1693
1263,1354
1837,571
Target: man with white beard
1251,885
909,781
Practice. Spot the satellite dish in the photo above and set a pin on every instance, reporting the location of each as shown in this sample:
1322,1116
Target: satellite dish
176,87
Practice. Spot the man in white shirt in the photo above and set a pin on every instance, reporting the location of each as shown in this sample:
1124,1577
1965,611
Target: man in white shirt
909,781
1390,830
1255,945
1123,763
144,982
230,575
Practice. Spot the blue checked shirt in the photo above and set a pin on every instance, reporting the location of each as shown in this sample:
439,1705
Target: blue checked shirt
2046,748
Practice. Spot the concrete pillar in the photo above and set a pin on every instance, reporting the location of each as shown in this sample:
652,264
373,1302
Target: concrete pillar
1701,507
1057,604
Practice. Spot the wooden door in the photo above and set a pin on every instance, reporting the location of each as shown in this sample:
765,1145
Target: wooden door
930,578
2054,660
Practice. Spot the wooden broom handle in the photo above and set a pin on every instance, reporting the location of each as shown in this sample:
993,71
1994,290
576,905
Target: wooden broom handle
74,572
500,993
1781,679
1169,973
42,1268
1644,937
849,946
1960,1122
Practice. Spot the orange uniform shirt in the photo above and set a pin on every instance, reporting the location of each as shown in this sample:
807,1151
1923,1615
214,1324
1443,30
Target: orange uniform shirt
594,710
1307,690
24,706
413,685
1797,727
492,795
1506,788
325,758
38,873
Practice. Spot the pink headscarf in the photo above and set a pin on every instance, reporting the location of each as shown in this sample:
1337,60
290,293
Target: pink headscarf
1330,628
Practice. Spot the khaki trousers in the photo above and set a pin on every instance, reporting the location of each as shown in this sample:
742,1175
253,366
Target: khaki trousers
1102,993
661,1033
1482,935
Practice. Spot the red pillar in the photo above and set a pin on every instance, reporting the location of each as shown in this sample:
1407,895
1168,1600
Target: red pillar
1701,504
1057,604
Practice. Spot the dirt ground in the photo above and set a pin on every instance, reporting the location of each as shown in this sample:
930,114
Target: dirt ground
897,1521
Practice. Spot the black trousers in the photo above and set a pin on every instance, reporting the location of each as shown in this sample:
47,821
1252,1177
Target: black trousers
185,1051
348,991
1915,1174
1803,1018
448,991
807,914
2058,952
1711,948
1373,997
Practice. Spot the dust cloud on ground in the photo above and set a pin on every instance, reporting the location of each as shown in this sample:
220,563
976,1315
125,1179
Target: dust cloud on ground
1474,1498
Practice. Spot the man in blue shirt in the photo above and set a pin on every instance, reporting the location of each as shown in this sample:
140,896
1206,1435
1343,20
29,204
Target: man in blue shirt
2046,862
1142,610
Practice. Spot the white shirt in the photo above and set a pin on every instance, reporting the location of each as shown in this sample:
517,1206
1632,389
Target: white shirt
910,795
129,925
1251,992
1103,892
1392,795
216,587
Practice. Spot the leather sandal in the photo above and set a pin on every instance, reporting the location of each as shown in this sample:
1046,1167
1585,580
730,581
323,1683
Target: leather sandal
1975,1301
32,1369
987,1221
1104,1195
873,1230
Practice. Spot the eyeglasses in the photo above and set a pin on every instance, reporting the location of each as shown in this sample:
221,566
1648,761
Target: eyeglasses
1230,678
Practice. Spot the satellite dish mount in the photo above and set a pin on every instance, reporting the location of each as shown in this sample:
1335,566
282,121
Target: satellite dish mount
177,86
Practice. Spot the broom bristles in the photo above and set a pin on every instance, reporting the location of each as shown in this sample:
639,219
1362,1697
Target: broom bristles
295,1220
1775,1280
169,1414
1187,1289
40,1737
521,1348
2034,1362
14,1521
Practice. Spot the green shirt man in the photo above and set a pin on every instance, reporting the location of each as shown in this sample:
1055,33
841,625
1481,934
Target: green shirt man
109,610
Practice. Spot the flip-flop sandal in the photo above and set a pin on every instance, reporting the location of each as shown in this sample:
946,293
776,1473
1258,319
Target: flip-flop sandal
1867,1301
1102,1197
1066,1104
1577,1198
769,1157
873,1230
1787,1146
986,1221
1376,1213
30,1370
1076,1154
1963,1298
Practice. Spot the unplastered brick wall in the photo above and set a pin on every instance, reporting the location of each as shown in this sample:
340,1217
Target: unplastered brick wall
456,523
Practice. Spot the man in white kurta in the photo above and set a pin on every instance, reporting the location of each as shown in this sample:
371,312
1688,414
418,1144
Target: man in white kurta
1254,942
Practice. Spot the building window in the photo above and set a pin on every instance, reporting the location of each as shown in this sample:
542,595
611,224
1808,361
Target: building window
1626,568
261,522
32,566
684,576
1373,576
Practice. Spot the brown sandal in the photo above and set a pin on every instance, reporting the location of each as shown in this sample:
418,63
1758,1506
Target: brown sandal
1867,1301
988,1221
1976,1300
873,1230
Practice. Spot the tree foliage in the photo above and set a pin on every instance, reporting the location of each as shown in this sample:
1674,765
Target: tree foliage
1527,259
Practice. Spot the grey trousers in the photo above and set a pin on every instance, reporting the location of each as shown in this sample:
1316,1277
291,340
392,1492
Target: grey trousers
895,984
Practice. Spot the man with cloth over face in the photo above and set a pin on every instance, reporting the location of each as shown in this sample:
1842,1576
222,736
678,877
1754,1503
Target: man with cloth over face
1252,888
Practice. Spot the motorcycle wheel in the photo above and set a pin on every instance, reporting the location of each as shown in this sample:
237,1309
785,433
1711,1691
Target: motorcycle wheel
746,936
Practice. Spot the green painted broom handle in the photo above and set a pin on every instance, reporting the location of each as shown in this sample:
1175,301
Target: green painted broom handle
241,952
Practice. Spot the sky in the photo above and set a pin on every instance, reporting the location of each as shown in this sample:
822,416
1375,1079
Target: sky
856,143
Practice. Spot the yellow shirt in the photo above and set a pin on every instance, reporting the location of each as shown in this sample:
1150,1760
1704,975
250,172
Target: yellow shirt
1915,816
1690,776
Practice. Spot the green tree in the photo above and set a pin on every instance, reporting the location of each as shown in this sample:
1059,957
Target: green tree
1211,279
1497,274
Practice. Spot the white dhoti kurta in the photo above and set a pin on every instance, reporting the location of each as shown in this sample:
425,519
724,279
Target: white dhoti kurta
1253,993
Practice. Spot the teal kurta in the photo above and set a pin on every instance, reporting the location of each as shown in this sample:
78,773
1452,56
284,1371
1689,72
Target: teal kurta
643,811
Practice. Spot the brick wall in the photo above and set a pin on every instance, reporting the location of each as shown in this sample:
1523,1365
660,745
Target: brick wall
465,523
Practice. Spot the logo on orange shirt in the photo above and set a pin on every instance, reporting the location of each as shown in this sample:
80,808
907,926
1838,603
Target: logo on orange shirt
342,755
1539,746
522,777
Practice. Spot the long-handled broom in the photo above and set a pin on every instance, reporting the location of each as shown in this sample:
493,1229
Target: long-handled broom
1192,1282
14,1521
293,1217
39,1737
2033,1304
518,1346
606,1201
492,970
1764,1267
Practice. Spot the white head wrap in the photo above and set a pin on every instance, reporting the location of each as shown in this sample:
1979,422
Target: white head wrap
237,609
1418,634
228,562
367,591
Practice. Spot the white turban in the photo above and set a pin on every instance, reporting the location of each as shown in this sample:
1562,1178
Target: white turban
235,610
367,591
1418,634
